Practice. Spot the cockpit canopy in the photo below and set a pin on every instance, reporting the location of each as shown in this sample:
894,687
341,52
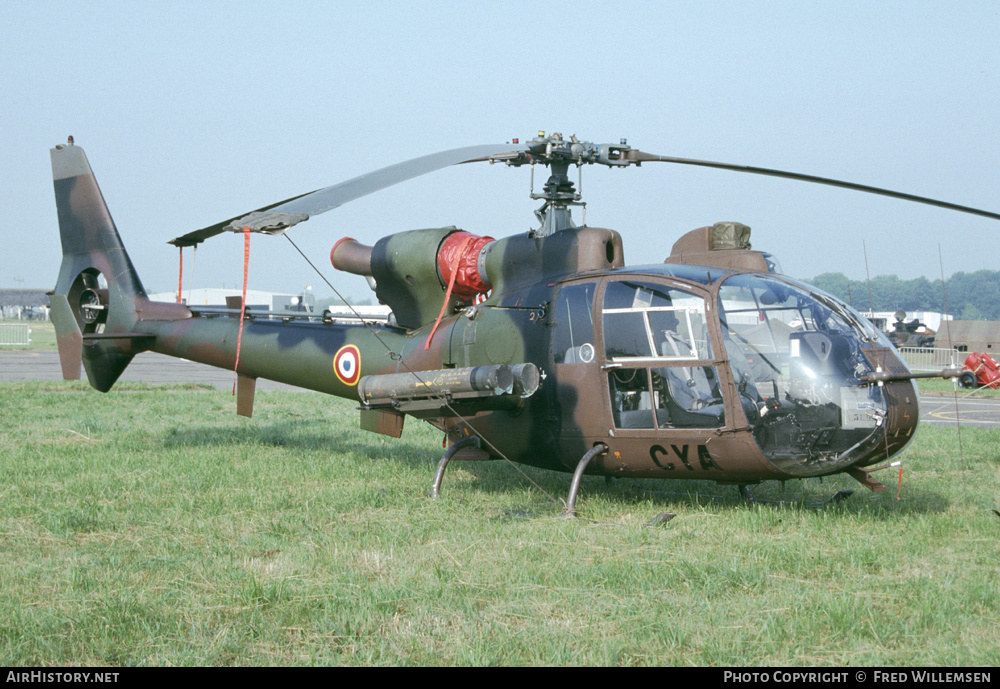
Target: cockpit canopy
794,360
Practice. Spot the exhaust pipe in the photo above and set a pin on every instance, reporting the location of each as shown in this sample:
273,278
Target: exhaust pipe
351,256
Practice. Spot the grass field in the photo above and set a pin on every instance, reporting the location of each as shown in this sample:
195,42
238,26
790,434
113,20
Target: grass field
940,386
152,526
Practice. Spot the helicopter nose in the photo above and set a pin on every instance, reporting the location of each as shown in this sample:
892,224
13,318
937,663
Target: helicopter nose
902,415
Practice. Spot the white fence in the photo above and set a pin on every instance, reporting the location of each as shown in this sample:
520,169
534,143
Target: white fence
931,358
16,334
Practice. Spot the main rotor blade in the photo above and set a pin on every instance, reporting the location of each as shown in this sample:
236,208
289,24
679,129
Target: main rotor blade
328,198
198,236
642,157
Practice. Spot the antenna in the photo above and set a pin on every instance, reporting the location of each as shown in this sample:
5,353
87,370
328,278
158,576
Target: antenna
868,275
871,301
947,326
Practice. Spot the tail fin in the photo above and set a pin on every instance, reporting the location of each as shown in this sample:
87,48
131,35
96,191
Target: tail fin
95,299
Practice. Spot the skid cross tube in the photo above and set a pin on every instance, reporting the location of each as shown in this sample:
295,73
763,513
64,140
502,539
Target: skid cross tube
472,441
570,509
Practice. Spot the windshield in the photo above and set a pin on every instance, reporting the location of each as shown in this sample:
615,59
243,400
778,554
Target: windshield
797,356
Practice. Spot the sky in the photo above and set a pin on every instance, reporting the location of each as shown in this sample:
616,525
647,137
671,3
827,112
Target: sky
194,112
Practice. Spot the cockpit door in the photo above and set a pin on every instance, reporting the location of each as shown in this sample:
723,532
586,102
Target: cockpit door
576,398
657,354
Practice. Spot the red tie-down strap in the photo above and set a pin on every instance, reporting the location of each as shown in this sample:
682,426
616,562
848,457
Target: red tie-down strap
180,275
447,292
243,303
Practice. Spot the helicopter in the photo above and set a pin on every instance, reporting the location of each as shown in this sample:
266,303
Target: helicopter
542,348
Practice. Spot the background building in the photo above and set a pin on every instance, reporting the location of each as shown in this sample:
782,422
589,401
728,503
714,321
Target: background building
24,304
257,300
970,336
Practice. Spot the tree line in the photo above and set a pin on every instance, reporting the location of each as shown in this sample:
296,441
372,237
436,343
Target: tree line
970,296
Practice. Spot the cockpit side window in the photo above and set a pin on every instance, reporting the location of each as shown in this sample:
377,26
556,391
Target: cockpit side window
573,331
666,397
651,321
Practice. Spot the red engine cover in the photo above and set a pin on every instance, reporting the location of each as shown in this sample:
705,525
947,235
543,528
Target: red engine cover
459,254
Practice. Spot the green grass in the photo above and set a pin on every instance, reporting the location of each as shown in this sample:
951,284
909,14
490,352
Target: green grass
940,386
152,526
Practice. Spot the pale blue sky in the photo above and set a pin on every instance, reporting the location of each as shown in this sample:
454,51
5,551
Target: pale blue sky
192,112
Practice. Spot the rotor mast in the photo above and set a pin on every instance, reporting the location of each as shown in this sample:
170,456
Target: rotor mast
558,192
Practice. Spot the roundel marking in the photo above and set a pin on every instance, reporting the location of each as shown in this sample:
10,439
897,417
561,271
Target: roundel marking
347,364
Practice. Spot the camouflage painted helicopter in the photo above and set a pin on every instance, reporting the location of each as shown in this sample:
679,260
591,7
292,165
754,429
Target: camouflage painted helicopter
542,348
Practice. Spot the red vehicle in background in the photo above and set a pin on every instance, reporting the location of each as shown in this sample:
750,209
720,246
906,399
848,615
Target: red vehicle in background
981,370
